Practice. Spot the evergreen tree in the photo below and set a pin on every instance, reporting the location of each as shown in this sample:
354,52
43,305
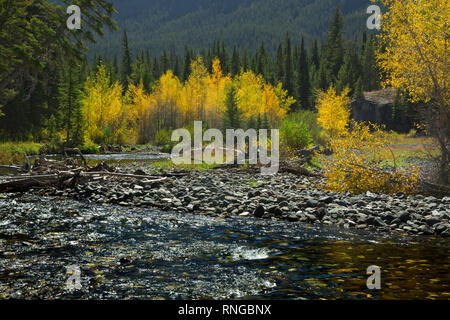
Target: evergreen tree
259,122
288,74
370,72
251,123
156,70
333,49
315,59
69,103
280,64
186,64
235,62
231,119
261,61
265,124
303,81
359,92
126,61
350,71
245,62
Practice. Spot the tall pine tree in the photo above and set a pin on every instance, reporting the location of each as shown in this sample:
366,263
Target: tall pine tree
126,62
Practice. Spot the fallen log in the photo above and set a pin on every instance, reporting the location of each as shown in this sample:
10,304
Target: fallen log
299,171
28,182
12,167
64,179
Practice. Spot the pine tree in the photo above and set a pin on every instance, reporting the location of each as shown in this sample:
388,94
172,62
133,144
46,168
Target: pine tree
333,49
231,119
350,71
261,62
126,61
69,102
265,124
156,70
303,81
288,74
186,64
251,123
235,62
280,64
359,92
245,62
370,72
315,59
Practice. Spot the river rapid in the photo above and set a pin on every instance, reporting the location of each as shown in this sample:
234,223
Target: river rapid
138,253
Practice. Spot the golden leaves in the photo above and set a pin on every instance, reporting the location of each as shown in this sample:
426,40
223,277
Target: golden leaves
359,152
333,111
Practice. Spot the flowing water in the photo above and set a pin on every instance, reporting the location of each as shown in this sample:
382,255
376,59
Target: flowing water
182,256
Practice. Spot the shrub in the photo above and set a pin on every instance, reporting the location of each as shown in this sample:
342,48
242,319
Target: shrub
89,147
357,163
14,152
299,130
294,134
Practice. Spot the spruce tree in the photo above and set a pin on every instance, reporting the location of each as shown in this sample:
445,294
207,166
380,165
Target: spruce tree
235,62
126,62
303,81
265,124
315,59
288,74
369,68
186,64
69,102
280,64
231,119
333,49
350,71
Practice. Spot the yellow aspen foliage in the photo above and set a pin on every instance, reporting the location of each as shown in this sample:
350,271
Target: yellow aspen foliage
216,93
416,34
333,111
166,102
140,111
195,91
138,117
416,58
102,109
255,97
362,161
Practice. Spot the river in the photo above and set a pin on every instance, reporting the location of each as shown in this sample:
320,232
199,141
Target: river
183,256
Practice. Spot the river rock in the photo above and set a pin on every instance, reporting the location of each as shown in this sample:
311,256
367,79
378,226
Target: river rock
259,212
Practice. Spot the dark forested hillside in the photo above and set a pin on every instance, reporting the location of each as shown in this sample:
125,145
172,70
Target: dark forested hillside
172,24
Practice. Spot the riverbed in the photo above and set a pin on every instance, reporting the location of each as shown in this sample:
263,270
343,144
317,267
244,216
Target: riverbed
141,253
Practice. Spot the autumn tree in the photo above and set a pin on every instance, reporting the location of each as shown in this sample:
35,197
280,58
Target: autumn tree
333,111
103,110
416,36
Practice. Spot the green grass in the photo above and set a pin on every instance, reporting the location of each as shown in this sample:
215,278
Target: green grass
14,152
168,164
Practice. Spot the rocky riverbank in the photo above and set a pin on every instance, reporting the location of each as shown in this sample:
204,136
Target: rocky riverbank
229,192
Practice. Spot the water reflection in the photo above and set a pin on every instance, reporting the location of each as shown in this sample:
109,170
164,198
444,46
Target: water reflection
175,256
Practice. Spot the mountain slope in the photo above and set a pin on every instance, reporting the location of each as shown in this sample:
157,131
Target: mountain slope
172,24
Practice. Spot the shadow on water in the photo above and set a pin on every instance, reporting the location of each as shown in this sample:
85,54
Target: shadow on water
181,256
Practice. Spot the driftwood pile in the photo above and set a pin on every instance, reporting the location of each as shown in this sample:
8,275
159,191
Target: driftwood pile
45,173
